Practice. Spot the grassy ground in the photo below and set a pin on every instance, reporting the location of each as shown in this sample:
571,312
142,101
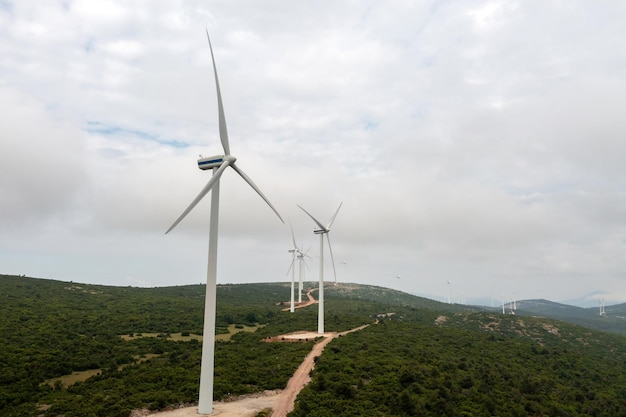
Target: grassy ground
67,380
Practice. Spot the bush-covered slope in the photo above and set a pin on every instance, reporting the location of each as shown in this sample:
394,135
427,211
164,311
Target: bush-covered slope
401,368
423,358
52,328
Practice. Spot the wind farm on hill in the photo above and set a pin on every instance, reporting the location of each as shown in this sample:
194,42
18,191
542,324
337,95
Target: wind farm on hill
320,346
218,164
77,349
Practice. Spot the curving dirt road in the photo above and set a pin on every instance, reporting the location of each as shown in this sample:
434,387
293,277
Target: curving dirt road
304,304
286,400
281,402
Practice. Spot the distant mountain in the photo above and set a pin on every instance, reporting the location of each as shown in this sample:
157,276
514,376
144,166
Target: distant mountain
389,296
614,319
590,300
553,309
617,310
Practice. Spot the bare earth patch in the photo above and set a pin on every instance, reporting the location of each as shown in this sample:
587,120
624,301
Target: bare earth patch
303,304
280,402
247,406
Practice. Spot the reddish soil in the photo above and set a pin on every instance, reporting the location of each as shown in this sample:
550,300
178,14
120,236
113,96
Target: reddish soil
285,402
280,402
304,303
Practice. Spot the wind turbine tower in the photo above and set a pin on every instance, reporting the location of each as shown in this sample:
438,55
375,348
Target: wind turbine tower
323,230
218,165
295,254
602,312
301,265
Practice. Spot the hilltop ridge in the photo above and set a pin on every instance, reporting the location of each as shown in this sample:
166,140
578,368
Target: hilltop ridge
79,350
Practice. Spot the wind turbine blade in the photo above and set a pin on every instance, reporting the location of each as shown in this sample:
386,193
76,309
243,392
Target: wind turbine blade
321,226
305,264
293,238
216,176
304,254
332,260
334,215
253,185
290,266
220,107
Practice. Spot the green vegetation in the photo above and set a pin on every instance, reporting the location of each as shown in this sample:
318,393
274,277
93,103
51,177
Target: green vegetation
59,332
450,371
67,351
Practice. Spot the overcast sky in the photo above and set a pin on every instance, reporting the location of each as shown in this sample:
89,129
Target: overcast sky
481,143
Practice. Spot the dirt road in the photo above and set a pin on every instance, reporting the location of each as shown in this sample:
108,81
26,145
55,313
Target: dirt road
286,400
281,402
304,304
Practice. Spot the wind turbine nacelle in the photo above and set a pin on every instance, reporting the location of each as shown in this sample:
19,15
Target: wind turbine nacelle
211,162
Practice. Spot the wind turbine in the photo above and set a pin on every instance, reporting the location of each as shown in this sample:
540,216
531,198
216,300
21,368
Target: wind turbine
602,312
295,252
323,230
298,255
302,260
218,164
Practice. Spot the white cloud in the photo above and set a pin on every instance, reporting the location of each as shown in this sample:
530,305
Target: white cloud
478,142
43,166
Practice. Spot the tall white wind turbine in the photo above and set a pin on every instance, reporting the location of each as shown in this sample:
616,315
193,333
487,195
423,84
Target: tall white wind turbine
302,263
323,230
218,164
299,255
295,252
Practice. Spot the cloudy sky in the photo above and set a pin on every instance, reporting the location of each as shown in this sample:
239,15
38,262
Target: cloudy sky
480,143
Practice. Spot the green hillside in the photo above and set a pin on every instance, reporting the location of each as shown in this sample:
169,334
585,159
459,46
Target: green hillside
73,349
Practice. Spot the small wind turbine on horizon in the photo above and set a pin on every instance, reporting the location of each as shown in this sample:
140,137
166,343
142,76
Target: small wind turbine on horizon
602,312
295,252
302,265
218,165
323,230
299,255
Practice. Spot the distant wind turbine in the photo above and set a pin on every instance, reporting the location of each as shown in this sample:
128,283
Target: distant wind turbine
602,312
323,230
218,164
295,252
301,264
299,255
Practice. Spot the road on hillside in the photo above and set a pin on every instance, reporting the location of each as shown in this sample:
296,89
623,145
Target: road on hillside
281,403
306,304
286,400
